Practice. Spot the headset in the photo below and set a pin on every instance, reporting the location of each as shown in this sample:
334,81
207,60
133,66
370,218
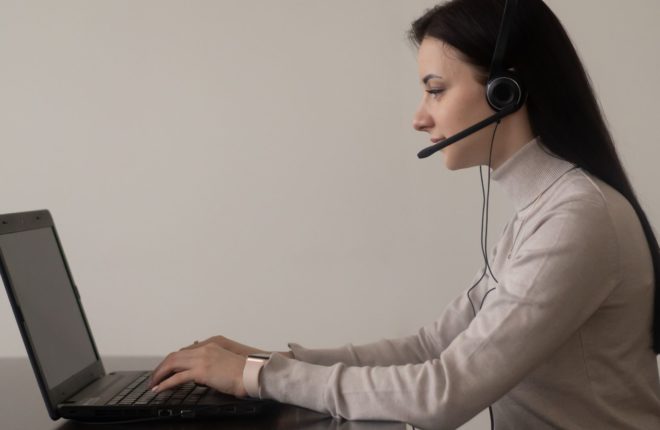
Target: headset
505,92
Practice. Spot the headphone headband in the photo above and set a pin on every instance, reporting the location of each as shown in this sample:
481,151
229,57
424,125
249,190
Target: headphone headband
497,66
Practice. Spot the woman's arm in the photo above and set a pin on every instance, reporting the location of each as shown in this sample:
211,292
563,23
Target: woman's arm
557,280
429,341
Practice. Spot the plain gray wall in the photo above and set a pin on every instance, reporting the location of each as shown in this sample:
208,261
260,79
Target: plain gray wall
249,167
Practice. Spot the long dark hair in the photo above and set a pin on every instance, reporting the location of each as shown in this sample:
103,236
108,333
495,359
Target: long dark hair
562,107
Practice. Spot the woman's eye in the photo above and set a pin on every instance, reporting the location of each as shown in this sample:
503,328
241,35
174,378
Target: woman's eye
434,92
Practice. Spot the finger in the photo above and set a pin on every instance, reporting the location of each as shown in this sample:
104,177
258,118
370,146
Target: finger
168,367
158,369
175,362
174,380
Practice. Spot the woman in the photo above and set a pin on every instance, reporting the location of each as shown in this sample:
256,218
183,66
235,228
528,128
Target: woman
562,326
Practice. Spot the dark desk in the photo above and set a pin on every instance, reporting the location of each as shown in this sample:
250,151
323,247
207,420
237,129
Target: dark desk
23,408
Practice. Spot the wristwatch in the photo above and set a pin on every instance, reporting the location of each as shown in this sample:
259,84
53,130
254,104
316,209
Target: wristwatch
251,372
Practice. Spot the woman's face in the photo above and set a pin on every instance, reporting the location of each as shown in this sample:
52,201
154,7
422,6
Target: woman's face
453,100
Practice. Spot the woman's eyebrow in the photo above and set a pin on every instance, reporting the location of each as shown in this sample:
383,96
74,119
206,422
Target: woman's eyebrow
429,77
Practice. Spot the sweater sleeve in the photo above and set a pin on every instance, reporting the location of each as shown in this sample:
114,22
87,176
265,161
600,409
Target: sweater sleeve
429,341
556,280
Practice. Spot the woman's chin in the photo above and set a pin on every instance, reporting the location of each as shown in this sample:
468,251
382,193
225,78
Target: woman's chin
451,163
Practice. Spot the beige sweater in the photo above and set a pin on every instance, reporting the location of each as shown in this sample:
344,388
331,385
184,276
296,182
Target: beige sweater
563,342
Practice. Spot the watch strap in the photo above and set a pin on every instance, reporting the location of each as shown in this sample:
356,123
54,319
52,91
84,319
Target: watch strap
251,372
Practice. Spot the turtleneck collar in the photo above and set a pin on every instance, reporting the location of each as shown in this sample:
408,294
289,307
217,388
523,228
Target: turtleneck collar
529,172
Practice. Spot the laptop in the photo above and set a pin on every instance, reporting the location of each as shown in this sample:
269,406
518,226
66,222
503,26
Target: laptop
61,348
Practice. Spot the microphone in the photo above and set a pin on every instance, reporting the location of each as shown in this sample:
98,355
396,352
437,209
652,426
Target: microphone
426,152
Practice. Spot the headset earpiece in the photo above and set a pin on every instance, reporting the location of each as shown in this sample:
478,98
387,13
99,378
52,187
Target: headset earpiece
505,90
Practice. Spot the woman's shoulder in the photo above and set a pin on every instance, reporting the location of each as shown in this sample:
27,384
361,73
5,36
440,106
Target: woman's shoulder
579,185
587,202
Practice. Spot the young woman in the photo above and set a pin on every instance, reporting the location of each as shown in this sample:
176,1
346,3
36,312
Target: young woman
561,328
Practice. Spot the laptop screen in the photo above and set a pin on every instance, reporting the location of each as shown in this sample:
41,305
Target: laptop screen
44,293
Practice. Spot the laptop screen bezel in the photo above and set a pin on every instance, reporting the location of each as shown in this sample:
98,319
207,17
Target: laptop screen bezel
53,396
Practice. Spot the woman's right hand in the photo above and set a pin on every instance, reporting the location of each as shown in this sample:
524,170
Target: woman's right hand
233,346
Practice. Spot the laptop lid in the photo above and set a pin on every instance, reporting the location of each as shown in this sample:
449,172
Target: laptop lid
47,307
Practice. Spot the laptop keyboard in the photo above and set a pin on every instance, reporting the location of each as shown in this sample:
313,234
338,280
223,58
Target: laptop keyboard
138,393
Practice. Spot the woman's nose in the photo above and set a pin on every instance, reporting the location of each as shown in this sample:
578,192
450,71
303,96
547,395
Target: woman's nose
421,120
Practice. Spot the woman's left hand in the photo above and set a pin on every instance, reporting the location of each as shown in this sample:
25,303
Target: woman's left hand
209,365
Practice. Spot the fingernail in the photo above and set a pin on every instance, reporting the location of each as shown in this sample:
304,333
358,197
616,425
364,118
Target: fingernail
155,389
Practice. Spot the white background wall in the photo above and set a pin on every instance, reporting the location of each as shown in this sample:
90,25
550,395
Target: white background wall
249,167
